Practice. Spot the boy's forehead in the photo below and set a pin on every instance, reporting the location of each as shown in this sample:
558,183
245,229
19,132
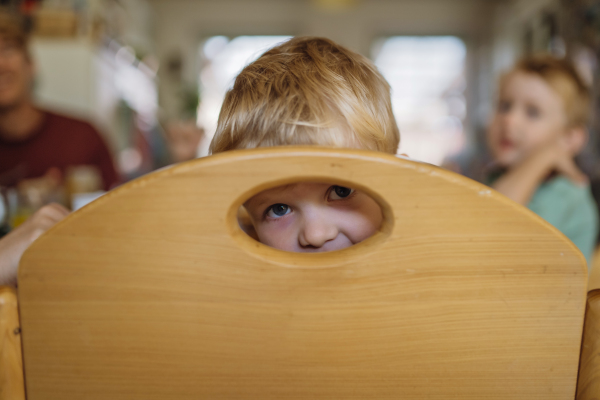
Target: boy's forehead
518,78
291,189
297,187
529,85
279,189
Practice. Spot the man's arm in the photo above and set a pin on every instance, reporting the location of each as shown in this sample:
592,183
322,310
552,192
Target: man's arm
14,244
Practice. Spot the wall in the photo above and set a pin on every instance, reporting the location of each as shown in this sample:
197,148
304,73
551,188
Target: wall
75,78
76,75
510,22
65,78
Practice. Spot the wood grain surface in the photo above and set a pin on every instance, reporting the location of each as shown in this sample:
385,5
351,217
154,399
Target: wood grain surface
588,385
12,386
594,281
154,292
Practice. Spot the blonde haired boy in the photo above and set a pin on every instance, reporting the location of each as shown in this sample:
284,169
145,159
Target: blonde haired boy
538,128
310,91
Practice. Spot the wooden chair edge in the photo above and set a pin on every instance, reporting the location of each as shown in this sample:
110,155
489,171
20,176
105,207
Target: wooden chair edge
12,386
588,382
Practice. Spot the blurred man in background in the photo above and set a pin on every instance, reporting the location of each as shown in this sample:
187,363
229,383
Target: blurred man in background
35,142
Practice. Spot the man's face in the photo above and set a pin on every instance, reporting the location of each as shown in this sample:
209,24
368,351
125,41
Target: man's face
16,74
313,217
529,115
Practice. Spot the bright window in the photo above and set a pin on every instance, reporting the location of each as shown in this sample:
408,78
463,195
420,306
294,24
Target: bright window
427,76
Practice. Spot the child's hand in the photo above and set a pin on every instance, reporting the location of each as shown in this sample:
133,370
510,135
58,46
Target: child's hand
521,181
566,165
13,245
558,156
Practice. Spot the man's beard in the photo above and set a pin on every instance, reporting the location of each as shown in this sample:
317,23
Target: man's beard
10,106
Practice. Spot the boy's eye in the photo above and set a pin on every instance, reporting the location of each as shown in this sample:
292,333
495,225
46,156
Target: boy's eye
278,210
339,192
504,106
532,112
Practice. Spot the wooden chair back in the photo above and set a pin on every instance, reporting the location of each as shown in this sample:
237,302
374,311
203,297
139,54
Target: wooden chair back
588,386
153,291
594,281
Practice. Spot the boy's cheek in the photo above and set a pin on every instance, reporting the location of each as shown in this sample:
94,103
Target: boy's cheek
493,138
502,153
278,234
365,228
362,223
506,158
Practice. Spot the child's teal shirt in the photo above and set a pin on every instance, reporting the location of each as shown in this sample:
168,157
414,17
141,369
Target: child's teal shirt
571,209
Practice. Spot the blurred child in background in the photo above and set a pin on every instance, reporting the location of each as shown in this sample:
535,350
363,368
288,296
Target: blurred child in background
538,129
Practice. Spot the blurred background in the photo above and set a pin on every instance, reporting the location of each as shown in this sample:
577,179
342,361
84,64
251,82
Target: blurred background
150,75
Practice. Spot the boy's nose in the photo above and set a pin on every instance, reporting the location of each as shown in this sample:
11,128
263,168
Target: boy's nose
508,125
317,231
510,119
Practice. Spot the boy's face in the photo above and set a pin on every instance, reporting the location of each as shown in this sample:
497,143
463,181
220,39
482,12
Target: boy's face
313,217
529,115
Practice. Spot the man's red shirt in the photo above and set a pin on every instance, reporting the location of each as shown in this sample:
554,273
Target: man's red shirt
59,142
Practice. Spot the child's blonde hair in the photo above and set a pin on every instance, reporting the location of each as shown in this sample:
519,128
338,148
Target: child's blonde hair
561,75
308,91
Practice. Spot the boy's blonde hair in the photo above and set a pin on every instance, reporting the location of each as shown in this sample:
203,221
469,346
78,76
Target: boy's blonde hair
561,75
308,91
